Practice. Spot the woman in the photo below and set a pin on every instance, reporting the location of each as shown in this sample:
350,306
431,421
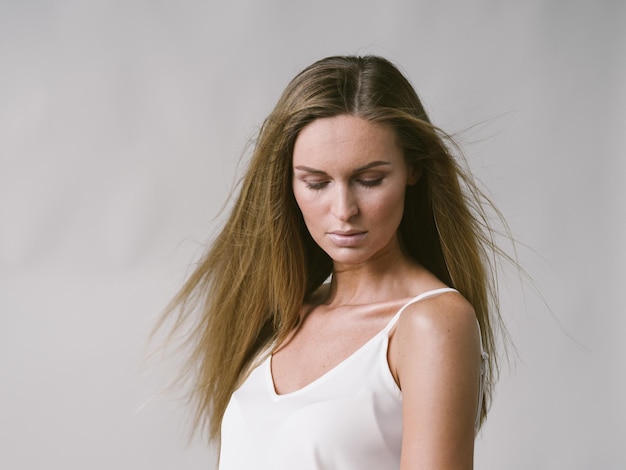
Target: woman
344,314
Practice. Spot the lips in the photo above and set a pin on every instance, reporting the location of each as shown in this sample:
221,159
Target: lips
347,238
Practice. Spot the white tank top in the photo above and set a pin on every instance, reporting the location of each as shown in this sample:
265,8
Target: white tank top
349,418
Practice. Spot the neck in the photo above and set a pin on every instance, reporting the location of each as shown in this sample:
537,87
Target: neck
388,275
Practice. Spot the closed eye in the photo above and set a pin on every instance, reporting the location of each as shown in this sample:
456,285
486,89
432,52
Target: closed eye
316,186
370,182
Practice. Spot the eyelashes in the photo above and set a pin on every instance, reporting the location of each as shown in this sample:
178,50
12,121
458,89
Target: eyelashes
317,186
367,183
370,182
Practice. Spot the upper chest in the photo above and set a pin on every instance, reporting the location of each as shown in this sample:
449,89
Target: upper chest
325,339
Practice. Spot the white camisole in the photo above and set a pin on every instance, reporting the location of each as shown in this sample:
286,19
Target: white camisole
349,418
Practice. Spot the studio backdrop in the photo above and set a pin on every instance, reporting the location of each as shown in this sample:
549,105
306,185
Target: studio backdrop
125,124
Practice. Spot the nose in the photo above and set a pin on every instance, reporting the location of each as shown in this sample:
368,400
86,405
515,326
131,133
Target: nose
344,204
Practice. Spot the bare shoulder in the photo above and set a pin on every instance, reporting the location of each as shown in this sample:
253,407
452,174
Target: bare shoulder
445,313
443,326
434,356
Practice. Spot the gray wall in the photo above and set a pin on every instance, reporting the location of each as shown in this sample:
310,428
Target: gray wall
121,127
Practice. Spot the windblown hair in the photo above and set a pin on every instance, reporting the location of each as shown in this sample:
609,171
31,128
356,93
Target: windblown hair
247,291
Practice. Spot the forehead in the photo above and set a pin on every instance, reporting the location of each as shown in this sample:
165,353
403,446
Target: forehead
345,140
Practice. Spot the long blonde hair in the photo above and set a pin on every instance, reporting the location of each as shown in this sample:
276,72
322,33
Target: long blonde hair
248,289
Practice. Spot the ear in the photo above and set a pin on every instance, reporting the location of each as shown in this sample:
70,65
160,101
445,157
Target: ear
413,175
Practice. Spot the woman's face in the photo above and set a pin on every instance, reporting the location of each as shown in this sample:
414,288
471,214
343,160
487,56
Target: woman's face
349,180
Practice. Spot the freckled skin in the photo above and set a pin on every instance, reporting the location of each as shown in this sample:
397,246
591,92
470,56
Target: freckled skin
349,181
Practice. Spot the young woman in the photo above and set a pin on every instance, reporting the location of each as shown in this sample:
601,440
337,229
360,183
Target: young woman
344,316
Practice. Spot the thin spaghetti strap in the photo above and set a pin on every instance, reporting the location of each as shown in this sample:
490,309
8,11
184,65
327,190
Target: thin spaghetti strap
422,296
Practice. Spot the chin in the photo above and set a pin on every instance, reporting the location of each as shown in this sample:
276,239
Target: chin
352,256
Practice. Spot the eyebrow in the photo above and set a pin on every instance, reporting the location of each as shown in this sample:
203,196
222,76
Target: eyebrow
356,170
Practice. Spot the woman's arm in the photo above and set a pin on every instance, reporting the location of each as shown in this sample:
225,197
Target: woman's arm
435,356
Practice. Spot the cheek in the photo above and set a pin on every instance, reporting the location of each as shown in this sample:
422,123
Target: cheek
391,205
309,206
